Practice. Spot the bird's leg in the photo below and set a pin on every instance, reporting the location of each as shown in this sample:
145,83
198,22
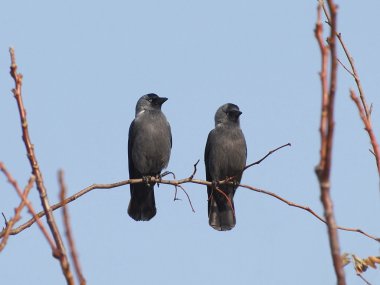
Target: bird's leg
213,186
232,179
235,183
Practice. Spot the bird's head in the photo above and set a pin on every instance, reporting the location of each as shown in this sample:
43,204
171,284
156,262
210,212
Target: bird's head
227,113
149,102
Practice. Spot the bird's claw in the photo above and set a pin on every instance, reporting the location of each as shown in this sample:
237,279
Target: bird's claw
146,180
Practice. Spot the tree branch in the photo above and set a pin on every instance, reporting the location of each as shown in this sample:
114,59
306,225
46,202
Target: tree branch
354,72
16,218
36,217
60,253
268,154
175,183
306,208
69,235
368,127
323,169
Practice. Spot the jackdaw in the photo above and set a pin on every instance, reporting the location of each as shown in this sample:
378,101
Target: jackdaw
149,146
225,156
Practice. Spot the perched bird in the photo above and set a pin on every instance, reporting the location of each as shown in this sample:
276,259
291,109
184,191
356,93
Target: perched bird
149,146
225,156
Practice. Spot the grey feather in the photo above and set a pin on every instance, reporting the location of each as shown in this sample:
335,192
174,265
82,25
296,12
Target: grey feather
149,146
225,156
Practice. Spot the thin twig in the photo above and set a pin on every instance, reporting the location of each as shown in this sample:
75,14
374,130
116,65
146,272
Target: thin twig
232,178
368,128
195,170
188,197
306,208
354,72
174,183
183,189
60,253
5,219
69,235
268,154
365,280
345,67
227,198
17,215
36,217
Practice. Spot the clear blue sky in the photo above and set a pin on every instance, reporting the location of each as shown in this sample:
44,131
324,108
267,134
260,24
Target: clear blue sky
85,64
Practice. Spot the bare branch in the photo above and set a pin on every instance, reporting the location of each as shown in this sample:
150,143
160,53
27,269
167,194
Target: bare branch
364,280
323,76
69,235
187,195
174,183
306,208
268,154
345,67
354,72
195,170
36,217
368,127
5,219
17,215
60,249
323,169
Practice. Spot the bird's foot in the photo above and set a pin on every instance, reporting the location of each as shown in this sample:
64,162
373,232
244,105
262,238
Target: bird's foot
232,180
146,180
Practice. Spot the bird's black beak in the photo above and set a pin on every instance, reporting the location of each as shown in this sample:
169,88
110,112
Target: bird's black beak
160,100
236,113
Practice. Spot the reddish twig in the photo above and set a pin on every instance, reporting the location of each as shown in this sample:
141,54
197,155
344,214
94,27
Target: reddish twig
323,76
60,252
354,72
227,198
69,235
306,208
36,217
16,218
174,183
323,170
368,128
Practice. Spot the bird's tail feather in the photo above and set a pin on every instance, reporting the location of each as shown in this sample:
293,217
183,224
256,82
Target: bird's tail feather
142,206
221,212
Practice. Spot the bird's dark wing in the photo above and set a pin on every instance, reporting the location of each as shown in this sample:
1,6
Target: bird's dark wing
142,206
131,136
220,210
211,204
170,132
207,157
